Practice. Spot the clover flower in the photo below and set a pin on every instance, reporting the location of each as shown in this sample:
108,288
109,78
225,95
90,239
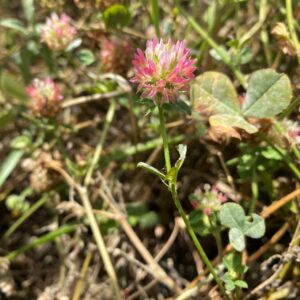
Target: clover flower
164,70
292,132
209,199
116,55
45,97
58,32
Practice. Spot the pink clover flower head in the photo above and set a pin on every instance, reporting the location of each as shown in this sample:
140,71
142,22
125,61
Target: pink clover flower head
208,198
45,97
58,32
163,70
292,132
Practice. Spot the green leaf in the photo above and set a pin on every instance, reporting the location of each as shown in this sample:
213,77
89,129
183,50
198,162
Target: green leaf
116,16
9,164
237,239
268,94
173,173
28,8
151,170
74,44
271,153
182,149
229,284
255,229
241,283
6,117
12,86
86,57
232,215
214,93
20,142
149,219
15,25
227,122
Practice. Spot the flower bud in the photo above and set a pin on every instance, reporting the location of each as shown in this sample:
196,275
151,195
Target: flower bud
58,32
209,199
45,97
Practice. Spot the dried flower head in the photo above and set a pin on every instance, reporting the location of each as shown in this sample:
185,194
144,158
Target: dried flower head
209,199
58,32
284,40
164,70
116,54
45,97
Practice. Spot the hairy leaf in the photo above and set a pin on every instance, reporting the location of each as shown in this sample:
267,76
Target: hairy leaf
214,93
268,94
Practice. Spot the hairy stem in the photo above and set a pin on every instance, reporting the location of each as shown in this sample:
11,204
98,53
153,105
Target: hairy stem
173,190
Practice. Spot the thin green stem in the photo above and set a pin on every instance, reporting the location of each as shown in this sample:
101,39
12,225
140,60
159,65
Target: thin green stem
285,157
42,240
196,241
25,216
173,189
221,52
291,21
164,135
99,147
290,108
155,16
254,189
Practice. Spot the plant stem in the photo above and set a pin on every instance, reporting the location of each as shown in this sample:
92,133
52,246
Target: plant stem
26,215
173,190
221,52
197,244
155,16
99,240
98,151
254,189
290,20
163,133
285,157
42,240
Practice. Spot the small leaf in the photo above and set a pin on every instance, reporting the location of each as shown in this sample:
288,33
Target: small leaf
151,170
6,117
9,164
182,149
268,94
11,86
173,173
241,283
116,16
237,239
232,215
14,24
214,93
86,56
20,142
74,44
255,229
229,284
28,8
